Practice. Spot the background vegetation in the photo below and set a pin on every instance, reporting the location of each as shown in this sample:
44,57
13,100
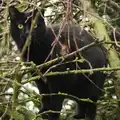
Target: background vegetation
19,98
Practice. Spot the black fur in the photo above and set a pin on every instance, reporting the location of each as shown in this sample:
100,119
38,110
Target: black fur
75,84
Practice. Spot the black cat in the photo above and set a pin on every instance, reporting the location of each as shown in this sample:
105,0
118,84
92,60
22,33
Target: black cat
72,37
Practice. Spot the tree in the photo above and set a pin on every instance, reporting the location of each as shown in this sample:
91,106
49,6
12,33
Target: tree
90,14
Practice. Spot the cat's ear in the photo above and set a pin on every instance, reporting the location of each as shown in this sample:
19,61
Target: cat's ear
13,12
41,12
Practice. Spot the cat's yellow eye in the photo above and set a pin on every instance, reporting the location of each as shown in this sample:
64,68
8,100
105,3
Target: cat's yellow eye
35,26
20,26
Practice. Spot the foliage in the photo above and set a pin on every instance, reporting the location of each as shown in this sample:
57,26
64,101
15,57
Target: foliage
15,73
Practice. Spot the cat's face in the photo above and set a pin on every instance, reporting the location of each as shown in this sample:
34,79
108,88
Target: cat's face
21,23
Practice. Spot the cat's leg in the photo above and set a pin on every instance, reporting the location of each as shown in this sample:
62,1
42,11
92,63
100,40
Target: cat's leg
56,106
86,110
45,107
45,98
90,111
80,110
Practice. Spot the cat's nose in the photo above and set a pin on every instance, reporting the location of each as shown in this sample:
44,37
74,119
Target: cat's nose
23,37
